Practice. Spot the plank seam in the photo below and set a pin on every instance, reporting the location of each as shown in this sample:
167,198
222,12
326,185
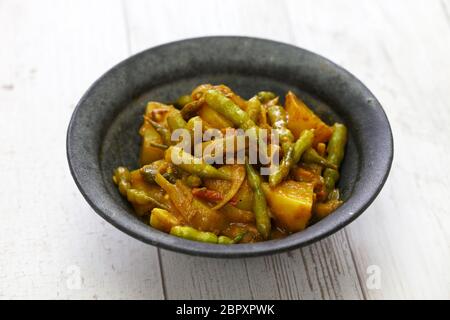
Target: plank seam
360,281
163,281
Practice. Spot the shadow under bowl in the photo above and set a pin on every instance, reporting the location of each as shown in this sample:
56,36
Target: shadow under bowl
103,131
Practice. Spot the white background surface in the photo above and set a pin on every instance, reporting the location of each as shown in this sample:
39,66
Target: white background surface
51,51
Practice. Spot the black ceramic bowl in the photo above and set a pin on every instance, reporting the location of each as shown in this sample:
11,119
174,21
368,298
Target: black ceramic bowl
103,131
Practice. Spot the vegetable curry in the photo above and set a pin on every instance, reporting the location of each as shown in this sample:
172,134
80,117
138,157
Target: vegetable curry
178,192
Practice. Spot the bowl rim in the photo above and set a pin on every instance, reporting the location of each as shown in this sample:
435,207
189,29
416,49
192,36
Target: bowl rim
160,239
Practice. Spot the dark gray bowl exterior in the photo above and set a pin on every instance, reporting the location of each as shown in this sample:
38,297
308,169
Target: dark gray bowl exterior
103,130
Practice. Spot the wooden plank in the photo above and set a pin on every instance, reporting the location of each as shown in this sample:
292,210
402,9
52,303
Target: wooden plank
53,245
413,222
158,22
400,50
324,270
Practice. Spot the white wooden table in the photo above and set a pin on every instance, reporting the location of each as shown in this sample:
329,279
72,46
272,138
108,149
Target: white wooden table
52,244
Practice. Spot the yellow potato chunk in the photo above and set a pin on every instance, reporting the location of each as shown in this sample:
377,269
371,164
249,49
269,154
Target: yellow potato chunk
290,203
300,118
157,112
163,220
149,153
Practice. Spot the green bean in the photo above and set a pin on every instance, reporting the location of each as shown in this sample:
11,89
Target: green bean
183,100
330,176
277,117
190,109
159,145
226,107
303,143
259,202
254,108
175,121
224,240
122,178
283,169
336,145
162,131
190,233
239,237
149,172
141,197
265,96
192,181
291,157
228,240
311,156
335,150
334,195
193,165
